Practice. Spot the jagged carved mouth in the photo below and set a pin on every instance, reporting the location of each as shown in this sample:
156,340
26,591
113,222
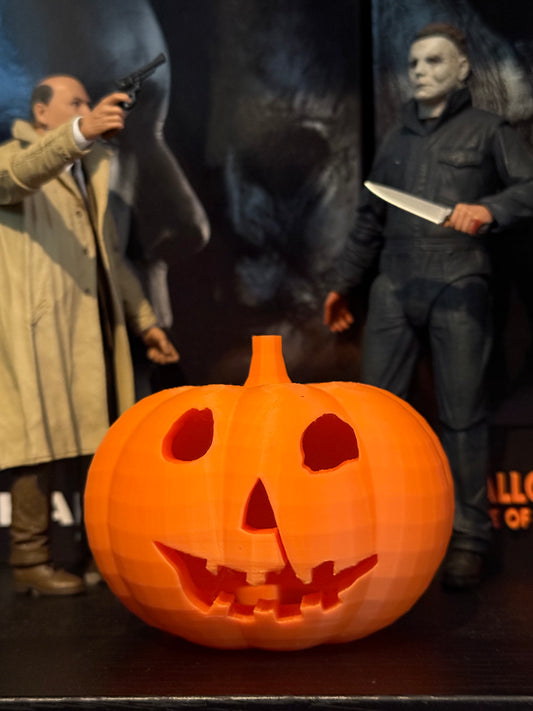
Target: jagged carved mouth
283,593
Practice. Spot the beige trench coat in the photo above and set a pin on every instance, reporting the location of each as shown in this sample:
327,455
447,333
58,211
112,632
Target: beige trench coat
52,373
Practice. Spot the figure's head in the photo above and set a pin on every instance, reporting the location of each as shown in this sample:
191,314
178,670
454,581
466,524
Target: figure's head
438,64
57,99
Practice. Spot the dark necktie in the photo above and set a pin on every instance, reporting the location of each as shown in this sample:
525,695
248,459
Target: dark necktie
104,296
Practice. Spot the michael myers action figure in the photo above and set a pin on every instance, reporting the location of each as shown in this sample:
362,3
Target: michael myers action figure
435,278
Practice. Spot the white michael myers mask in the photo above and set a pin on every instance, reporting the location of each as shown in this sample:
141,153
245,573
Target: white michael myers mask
436,67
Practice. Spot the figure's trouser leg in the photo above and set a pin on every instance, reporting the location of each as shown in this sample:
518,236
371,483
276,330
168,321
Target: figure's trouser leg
390,347
78,473
461,338
30,515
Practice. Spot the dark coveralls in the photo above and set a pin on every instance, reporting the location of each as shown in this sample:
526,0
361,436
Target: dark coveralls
436,279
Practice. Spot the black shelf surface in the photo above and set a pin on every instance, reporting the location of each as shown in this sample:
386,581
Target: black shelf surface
452,650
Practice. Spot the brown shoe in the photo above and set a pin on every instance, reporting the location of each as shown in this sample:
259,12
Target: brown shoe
46,580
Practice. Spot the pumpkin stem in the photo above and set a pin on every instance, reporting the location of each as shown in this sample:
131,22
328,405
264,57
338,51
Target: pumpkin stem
267,365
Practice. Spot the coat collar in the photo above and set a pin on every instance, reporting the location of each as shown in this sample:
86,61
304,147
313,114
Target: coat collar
24,131
456,102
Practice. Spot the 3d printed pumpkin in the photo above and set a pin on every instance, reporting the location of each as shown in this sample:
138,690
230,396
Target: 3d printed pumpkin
272,515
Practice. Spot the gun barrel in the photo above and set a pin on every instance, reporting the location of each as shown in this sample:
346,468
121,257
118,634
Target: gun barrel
143,72
149,68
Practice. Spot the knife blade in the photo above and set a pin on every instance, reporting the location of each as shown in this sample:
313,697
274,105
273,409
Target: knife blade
432,211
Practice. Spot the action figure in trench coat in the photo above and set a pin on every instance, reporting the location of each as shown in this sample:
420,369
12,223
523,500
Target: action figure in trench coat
65,365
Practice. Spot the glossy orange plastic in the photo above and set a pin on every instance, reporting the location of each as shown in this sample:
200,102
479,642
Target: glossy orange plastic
273,515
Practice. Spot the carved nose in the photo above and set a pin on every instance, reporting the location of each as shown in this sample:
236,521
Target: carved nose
259,515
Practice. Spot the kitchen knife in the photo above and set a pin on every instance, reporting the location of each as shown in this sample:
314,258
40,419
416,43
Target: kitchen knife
431,211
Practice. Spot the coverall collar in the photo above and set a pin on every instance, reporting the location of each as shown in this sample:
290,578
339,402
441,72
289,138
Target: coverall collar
457,101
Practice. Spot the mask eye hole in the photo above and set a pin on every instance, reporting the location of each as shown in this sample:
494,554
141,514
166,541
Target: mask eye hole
328,442
190,437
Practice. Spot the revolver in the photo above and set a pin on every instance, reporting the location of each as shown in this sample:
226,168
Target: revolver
131,84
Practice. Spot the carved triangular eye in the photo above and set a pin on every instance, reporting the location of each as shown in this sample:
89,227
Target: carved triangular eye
190,437
328,442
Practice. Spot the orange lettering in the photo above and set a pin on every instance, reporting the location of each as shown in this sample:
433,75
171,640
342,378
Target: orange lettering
512,519
528,486
495,515
525,517
517,495
504,497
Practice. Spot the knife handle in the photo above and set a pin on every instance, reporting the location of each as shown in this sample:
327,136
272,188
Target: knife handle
482,228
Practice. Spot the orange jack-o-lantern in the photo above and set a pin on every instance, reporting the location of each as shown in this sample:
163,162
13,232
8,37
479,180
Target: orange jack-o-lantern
272,515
